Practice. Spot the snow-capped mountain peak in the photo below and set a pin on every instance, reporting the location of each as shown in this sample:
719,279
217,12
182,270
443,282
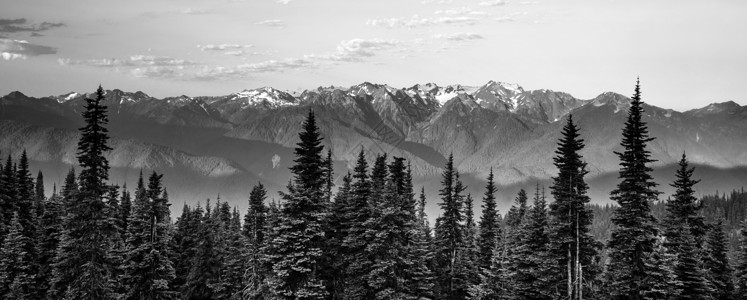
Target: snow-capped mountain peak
266,95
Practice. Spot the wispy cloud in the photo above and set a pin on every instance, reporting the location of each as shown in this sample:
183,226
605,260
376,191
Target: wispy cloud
462,11
493,3
16,49
459,36
357,49
227,49
354,50
271,23
417,21
132,61
139,65
283,1
23,25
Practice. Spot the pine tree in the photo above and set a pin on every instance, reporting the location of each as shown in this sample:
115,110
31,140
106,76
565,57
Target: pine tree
490,230
16,272
8,192
335,235
82,268
661,281
634,235
49,234
235,255
422,277
450,236
125,207
254,230
573,247
328,176
25,202
39,195
683,210
296,250
741,269
516,213
530,261
685,232
717,265
353,260
149,271
688,270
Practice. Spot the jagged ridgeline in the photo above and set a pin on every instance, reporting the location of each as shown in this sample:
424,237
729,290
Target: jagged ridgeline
211,145
368,235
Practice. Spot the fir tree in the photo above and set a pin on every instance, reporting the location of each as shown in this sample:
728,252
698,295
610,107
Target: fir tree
634,235
573,247
489,226
530,261
39,195
683,210
49,234
688,270
450,236
685,231
741,269
296,250
8,191
16,272
516,213
717,265
353,260
255,226
661,281
83,268
149,271
125,207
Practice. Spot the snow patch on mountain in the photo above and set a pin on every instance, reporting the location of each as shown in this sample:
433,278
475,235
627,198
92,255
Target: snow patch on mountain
265,95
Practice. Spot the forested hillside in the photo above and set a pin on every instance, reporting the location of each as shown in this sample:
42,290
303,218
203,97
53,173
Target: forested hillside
369,237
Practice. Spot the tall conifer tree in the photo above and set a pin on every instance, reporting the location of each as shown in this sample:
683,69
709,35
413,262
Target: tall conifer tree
717,264
83,266
634,235
296,250
573,247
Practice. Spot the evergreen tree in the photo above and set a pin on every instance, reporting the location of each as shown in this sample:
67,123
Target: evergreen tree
634,234
125,207
39,195
573,247
450,240
149,271
8,191
422,277
490,230
661,282
530,261
688,270
328,176
16,272
26,202
683,210
206,260
685,231
717,265
354,261
49,234
516,213
255,226
296,250
336,230
231,284
83,268
741,269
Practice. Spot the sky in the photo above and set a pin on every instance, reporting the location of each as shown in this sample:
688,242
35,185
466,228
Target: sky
687,53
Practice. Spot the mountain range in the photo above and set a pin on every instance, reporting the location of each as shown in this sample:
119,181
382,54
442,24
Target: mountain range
222,145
